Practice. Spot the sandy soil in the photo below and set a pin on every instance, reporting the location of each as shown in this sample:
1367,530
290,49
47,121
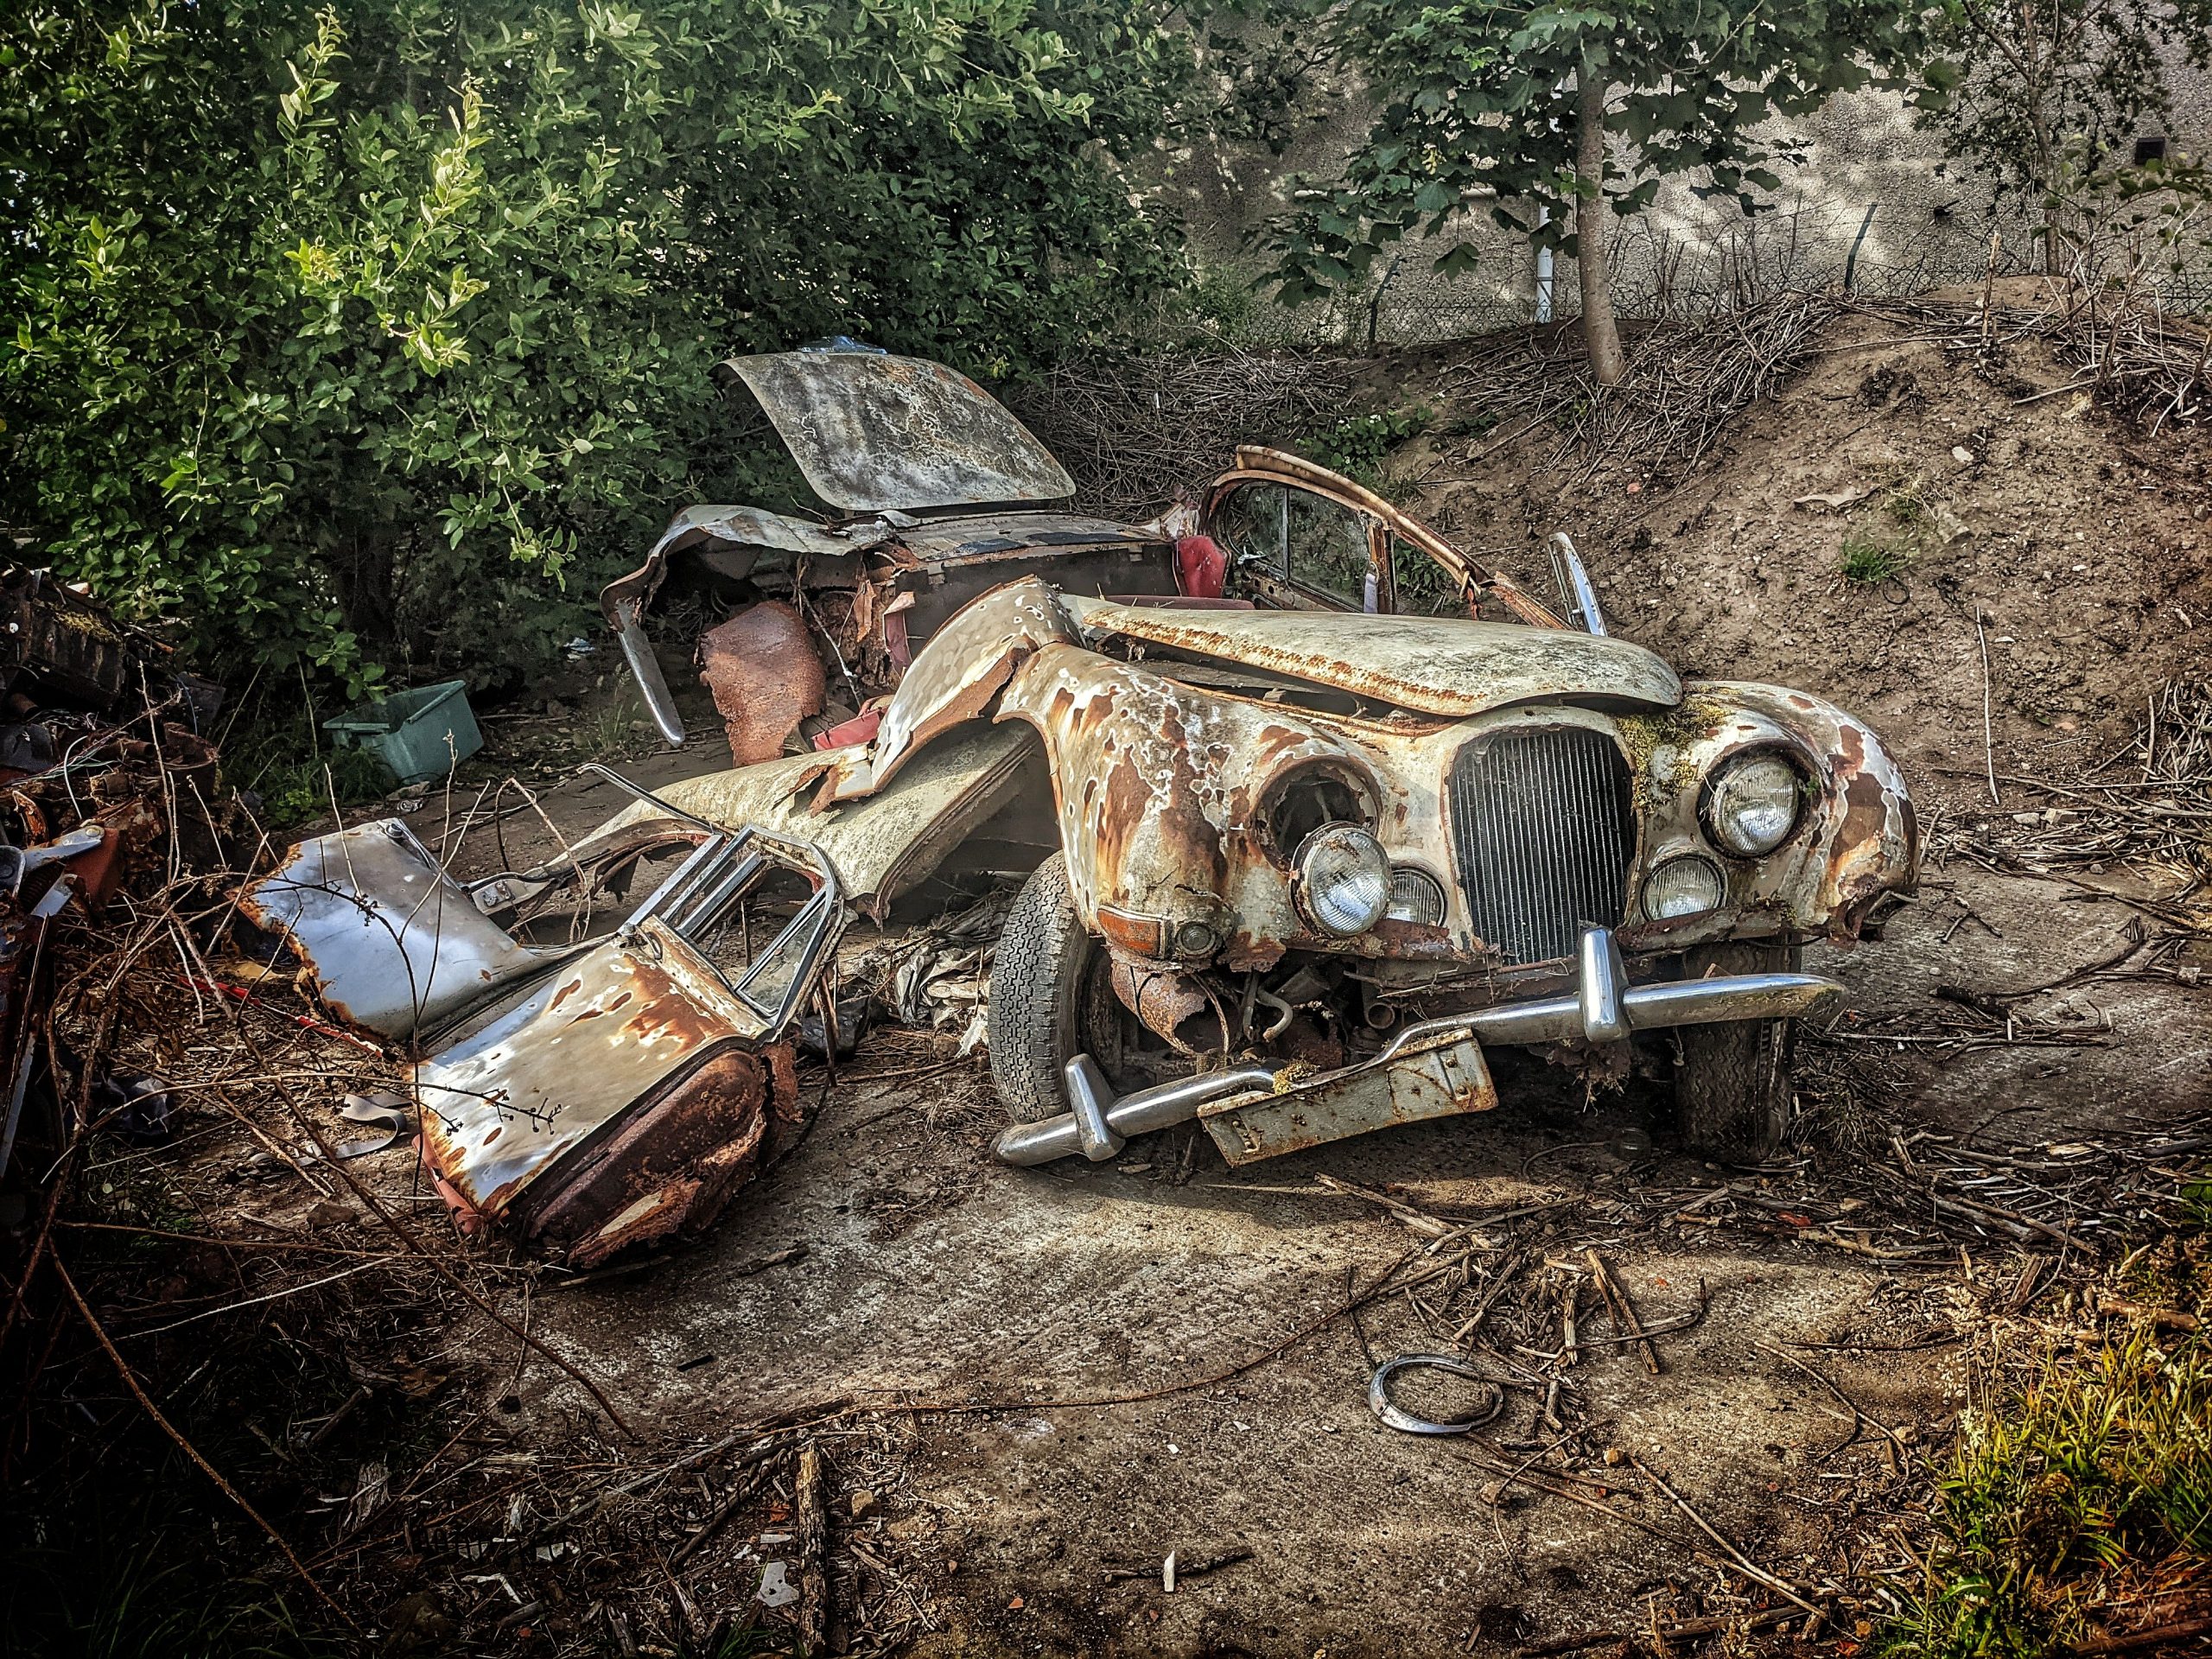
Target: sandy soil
2082,543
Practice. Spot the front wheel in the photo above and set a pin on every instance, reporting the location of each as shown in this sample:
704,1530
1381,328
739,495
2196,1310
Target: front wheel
1052,998
1039,976
1732,1094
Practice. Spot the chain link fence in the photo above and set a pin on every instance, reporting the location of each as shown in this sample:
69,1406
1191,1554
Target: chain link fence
1673,272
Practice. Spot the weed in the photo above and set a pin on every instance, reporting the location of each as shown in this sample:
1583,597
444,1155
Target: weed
1358,445
2078,1501
1870,558
296,787
1472,423
748,1642
144,1592
1907,503
609,730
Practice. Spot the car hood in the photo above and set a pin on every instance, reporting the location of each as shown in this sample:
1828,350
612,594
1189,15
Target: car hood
1431,664
872,432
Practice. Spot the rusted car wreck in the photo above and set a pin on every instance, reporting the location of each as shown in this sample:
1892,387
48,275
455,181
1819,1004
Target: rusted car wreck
1296,873
1311,819
585,1095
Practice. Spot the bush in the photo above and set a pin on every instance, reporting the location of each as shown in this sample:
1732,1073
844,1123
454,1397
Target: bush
377,336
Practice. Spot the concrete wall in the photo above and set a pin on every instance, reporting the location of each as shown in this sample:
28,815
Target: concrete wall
1930,228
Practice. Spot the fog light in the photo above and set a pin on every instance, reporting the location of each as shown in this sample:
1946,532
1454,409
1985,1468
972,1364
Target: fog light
1343,879
1196,940
1415,897
1682,886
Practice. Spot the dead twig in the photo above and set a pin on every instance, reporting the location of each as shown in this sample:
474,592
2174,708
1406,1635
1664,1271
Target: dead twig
1623,1310
810,1523
130,1380
1750,1566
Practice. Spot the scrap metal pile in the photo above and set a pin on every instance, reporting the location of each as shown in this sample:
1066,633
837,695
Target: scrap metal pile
108,795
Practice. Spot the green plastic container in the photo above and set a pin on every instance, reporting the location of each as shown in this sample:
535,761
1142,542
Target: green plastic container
407,731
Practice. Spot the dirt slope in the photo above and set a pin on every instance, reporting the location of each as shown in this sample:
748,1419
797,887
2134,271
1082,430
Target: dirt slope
2081,540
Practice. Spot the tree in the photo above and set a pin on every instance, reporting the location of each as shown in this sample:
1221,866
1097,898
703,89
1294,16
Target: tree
1555,117
382,333
2053,90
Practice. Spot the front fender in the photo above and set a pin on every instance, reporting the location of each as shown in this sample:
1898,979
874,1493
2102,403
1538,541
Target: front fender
1157,786
1860,838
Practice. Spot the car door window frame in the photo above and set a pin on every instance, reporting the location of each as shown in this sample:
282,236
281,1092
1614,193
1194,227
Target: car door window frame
1274,567
1258,465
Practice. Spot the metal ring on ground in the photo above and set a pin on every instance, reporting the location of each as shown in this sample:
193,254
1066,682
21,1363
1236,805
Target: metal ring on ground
1394,1416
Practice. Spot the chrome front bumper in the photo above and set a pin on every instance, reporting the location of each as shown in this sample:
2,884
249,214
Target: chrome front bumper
1429,1070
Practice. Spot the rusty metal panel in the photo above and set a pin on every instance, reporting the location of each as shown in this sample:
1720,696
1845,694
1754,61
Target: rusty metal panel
672,1165
761,667
956,677
878,846
1437,1082
395,943
871,431
1432,664
516,1092
981,535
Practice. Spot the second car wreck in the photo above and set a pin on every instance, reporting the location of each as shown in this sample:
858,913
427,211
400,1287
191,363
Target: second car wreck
584,1096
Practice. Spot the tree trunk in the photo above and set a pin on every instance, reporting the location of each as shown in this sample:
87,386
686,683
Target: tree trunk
1601,336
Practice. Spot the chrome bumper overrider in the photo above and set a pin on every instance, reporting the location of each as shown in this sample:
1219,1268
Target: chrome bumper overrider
1605,1008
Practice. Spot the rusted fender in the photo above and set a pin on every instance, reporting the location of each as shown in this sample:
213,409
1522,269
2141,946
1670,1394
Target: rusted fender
1860,838
954,678
1157,786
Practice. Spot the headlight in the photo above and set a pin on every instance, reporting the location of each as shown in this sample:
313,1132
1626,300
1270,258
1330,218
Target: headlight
1343,879
1415,897
1682,886
1750,804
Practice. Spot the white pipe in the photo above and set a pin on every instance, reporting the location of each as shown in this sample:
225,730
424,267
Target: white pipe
1544,270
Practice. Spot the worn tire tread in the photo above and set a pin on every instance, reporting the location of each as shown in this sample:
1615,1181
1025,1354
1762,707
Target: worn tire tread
1732,1093
1029,1024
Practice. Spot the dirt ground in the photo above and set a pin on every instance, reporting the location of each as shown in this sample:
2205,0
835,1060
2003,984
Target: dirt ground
932,1275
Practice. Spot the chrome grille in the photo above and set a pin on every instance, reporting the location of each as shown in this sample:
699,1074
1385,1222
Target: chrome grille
1542,819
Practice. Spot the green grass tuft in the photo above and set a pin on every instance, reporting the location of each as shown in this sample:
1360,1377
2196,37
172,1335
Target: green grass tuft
2072,1506
1870,558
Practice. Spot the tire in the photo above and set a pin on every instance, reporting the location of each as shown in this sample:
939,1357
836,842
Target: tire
1038,978
1732,1095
